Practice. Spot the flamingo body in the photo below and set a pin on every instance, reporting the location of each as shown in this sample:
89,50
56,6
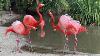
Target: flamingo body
18,27
41,20
30,21
68,26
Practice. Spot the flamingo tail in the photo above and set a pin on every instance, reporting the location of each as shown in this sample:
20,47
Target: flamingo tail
9,29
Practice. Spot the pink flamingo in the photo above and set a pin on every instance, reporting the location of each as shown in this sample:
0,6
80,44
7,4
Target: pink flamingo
41,20
68,26
30,21
18,28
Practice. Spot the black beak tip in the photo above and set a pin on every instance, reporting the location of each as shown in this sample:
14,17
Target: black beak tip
36,29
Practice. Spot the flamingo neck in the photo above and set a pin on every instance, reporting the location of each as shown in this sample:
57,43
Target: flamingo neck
40,15
52,22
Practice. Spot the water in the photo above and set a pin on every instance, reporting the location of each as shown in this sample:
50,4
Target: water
88,42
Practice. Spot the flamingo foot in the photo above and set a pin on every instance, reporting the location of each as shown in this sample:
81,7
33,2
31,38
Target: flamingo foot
18,48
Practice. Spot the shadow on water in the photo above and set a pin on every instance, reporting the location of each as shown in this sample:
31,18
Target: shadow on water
88,42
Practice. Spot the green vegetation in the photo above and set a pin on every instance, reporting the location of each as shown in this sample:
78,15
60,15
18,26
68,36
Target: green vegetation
4,4
86,11
58,6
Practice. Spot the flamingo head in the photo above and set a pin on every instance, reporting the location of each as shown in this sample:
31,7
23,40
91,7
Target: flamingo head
55,28
40,5
49,12
82,29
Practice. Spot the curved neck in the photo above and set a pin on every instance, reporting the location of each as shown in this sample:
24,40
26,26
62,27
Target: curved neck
52,22
40,15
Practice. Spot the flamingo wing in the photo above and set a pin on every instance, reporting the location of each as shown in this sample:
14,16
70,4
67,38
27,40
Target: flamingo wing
18,27
29,21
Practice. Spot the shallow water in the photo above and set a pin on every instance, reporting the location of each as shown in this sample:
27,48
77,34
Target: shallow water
88,42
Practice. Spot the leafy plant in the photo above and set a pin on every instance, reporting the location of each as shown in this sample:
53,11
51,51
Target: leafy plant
57,6
85,10
4,4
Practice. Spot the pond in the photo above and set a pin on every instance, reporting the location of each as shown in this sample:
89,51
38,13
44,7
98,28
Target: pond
88,42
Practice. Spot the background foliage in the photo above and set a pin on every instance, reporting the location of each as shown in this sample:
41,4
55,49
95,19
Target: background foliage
86,11
58,6
4,4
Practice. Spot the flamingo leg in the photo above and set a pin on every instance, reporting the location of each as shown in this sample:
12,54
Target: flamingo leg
66,47
18,41
29,40
75,43
66,43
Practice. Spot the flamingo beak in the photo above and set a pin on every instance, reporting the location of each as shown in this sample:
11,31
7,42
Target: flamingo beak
35,28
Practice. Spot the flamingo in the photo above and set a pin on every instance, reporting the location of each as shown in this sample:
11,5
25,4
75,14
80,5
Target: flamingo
30,21
68,26
18,28
41,20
